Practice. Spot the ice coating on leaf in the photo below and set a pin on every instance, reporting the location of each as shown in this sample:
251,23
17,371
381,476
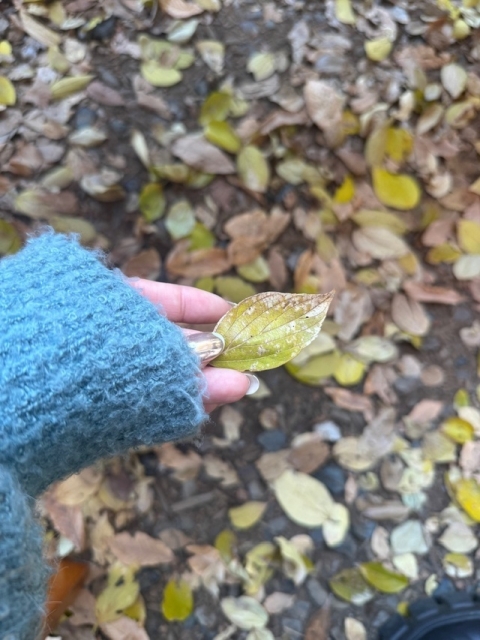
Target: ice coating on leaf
267,330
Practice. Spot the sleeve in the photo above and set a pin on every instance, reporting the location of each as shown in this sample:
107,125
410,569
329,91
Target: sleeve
88,367
23,575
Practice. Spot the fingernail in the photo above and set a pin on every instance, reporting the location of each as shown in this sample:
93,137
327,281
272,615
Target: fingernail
232,304
207,346
254,384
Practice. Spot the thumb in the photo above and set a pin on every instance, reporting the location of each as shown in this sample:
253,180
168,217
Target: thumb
207,346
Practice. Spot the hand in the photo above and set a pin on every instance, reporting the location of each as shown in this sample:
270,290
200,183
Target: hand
194,306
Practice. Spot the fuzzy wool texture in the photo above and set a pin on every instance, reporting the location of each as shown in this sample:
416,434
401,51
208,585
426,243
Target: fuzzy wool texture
88,369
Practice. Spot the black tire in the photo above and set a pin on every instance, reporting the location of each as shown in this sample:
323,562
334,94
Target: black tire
455,616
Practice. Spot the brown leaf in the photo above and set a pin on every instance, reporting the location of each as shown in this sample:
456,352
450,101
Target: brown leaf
67,520
282,118
309,456
180,9
146,264
63,587
278,269
197,264
325,106
351,401
200,154
124,628
409,315
186,465
141,549
103,94
429,293
319,624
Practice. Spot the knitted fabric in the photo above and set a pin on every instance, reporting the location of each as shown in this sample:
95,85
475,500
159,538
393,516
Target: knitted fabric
88,369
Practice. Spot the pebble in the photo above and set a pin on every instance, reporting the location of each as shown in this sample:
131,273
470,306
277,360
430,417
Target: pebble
300,610
84,117
318,594
250,28
405,385
104,30
201,88
462,314
277,525
290,624
333,477
255,490
205,617
328,431
30,49
431,343
445,586
3,26
132,184
272,440
118,126
362,528
317,536
108,77
348,548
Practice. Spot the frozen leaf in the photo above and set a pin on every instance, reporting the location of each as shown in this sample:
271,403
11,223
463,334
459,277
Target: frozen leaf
247,515
379,242
140,550
177,602
200,154
212,53
121,592
354,630
304,499
378,50
344,12
410,316
458,430
244,612
399,191
351,586
180,9
8,97
180,220
222,135
454,79
383,579
467,493
233,289
67,86
261,66
458,538
159,76
335,528
267,330
151,202
253,169
467,267
469,236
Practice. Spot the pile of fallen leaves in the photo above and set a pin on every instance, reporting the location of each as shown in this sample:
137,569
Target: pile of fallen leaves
341,153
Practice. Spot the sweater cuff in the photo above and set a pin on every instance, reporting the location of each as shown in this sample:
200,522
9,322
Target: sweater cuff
88,367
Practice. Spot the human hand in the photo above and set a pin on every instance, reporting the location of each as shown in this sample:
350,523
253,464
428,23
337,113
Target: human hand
194,306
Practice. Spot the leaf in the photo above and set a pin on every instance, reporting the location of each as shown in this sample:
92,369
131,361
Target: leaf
121,592
124,628
354,630
458,565
458,430
253,169
261,66
195,151
454,79
10,241
212,53
324,104
38,31
63,587
140,550
255,271
344,12
458,538
351,586
410,316
293,562
180,9
151,202
180,220
8,96
68,86
467,267
467,493
379,49
244,612
335,528
266,330
247,515
177,602
318,626
260,634
379,242
382,578
233,289
159,76
215,108
468,232
222,135
399,191
304,499
349,370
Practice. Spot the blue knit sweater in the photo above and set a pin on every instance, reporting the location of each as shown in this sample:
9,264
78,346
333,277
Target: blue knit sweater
88,369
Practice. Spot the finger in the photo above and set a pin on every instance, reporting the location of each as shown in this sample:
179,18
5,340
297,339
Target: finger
227,385
210,408
183,304
207,346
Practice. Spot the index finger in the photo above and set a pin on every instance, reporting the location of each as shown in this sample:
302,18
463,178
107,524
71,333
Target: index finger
183,304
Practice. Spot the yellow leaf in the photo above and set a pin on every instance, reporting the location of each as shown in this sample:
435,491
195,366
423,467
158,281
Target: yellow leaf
68,86
255,271
382,578
120,593
177,603
262,65
201,238
458,430
233,289
215,108
222,135
443,253
351,586
349,371
395,190
294,563
378,50
345,191
253,169
335,528
10,241
316,370
305,500
151,202
225,543
372,218
159,76
247,515
398,144
467,492
5,49
344,12
458,565
468,232
269,329
8,97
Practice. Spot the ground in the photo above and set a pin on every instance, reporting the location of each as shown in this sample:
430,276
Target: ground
242,147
